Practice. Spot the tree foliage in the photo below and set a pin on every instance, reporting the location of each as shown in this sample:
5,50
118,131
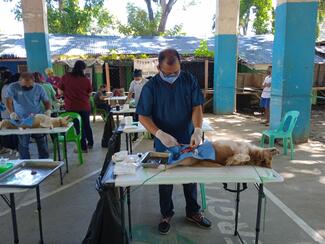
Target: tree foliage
320,17
153,20
203,50
263,15
69,17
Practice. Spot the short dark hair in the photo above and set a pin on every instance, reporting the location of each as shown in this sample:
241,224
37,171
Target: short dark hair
137,73
169,54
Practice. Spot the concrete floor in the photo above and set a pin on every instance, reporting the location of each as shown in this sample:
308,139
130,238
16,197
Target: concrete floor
295,210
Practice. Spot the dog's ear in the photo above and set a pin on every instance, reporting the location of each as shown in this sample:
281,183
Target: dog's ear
274,151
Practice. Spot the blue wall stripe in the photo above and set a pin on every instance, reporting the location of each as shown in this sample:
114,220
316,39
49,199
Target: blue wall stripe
225,68
38,51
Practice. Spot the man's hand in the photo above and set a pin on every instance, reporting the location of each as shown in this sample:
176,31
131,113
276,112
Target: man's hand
196,137
166,139
48,112
14,116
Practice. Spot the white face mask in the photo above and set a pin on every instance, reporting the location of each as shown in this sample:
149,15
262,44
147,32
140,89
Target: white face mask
169,78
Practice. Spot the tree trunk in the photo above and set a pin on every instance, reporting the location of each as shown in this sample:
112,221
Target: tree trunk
166,8
150,11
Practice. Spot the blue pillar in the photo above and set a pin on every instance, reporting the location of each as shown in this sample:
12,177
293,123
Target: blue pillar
225,56
293,63
36,35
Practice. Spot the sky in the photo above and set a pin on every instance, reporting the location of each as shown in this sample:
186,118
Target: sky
196,20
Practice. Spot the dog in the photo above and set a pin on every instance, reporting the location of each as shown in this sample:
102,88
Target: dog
233,153
39,121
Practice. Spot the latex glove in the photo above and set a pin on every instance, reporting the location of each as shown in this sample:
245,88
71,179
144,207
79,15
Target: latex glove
14,116
196,137
48,112
166,139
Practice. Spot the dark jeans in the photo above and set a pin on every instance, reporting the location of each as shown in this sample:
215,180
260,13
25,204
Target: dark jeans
87,133
104,106
166,202
23,146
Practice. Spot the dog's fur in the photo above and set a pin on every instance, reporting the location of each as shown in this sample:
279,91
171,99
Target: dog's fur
232,153
40,121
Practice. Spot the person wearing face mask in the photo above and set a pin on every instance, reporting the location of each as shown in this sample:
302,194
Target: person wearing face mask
23,99
170,107
136,88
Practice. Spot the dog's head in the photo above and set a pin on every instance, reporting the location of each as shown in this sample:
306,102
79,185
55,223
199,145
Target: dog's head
263,157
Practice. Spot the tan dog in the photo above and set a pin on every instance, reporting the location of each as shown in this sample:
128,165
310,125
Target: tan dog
231,153
40,121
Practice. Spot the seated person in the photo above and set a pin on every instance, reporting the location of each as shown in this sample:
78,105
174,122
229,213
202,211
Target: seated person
24,98
100,101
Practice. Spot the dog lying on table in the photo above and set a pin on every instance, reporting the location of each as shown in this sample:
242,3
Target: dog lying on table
36,121
233,153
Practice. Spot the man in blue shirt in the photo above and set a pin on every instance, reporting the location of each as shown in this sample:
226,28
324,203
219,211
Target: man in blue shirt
23,99
170,107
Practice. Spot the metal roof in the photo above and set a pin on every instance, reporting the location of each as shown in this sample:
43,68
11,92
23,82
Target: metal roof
251,49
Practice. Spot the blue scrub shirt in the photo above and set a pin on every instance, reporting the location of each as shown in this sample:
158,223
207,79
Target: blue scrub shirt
170,106
27,102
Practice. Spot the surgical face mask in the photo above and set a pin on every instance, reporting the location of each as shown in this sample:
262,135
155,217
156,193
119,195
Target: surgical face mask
27,88
169,78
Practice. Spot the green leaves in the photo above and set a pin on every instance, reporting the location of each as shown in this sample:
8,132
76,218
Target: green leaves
203,51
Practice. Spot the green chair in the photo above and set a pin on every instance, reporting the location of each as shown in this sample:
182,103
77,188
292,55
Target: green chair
284,132
72,136
96,110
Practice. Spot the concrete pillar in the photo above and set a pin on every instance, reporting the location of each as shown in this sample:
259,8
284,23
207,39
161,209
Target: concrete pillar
225,56
36,35
293,63
98,68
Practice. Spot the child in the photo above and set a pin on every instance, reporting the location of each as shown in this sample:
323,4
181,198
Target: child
266,95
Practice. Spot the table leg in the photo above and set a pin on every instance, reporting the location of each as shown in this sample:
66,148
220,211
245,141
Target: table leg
117,120
65,152
129,210
237,209
14,217
259,208
122,213
59,156
130,139
127,141
39,209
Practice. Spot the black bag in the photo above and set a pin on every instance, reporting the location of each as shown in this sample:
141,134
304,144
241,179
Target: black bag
105,226
108,130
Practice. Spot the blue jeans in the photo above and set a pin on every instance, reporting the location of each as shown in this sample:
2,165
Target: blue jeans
166,202
23,146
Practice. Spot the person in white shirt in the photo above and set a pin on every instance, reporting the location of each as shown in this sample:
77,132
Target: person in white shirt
136,88
266,95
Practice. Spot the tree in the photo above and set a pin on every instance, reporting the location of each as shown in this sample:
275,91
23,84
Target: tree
68,17
152,22
320,17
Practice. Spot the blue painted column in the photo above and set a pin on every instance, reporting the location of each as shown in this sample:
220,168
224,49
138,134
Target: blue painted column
36,35
293,63
225,59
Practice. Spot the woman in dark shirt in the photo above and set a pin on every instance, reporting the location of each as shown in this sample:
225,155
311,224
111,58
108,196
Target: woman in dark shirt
76,88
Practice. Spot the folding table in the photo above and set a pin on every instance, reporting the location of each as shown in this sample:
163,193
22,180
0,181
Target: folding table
183,175
55,131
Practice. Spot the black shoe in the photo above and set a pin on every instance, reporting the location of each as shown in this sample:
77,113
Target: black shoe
200,220
164,226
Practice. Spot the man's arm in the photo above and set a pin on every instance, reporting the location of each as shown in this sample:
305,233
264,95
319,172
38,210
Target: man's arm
197,116
129,95
148,124
9,105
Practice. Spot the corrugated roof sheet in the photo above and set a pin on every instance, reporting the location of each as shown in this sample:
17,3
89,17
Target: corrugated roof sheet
252,49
